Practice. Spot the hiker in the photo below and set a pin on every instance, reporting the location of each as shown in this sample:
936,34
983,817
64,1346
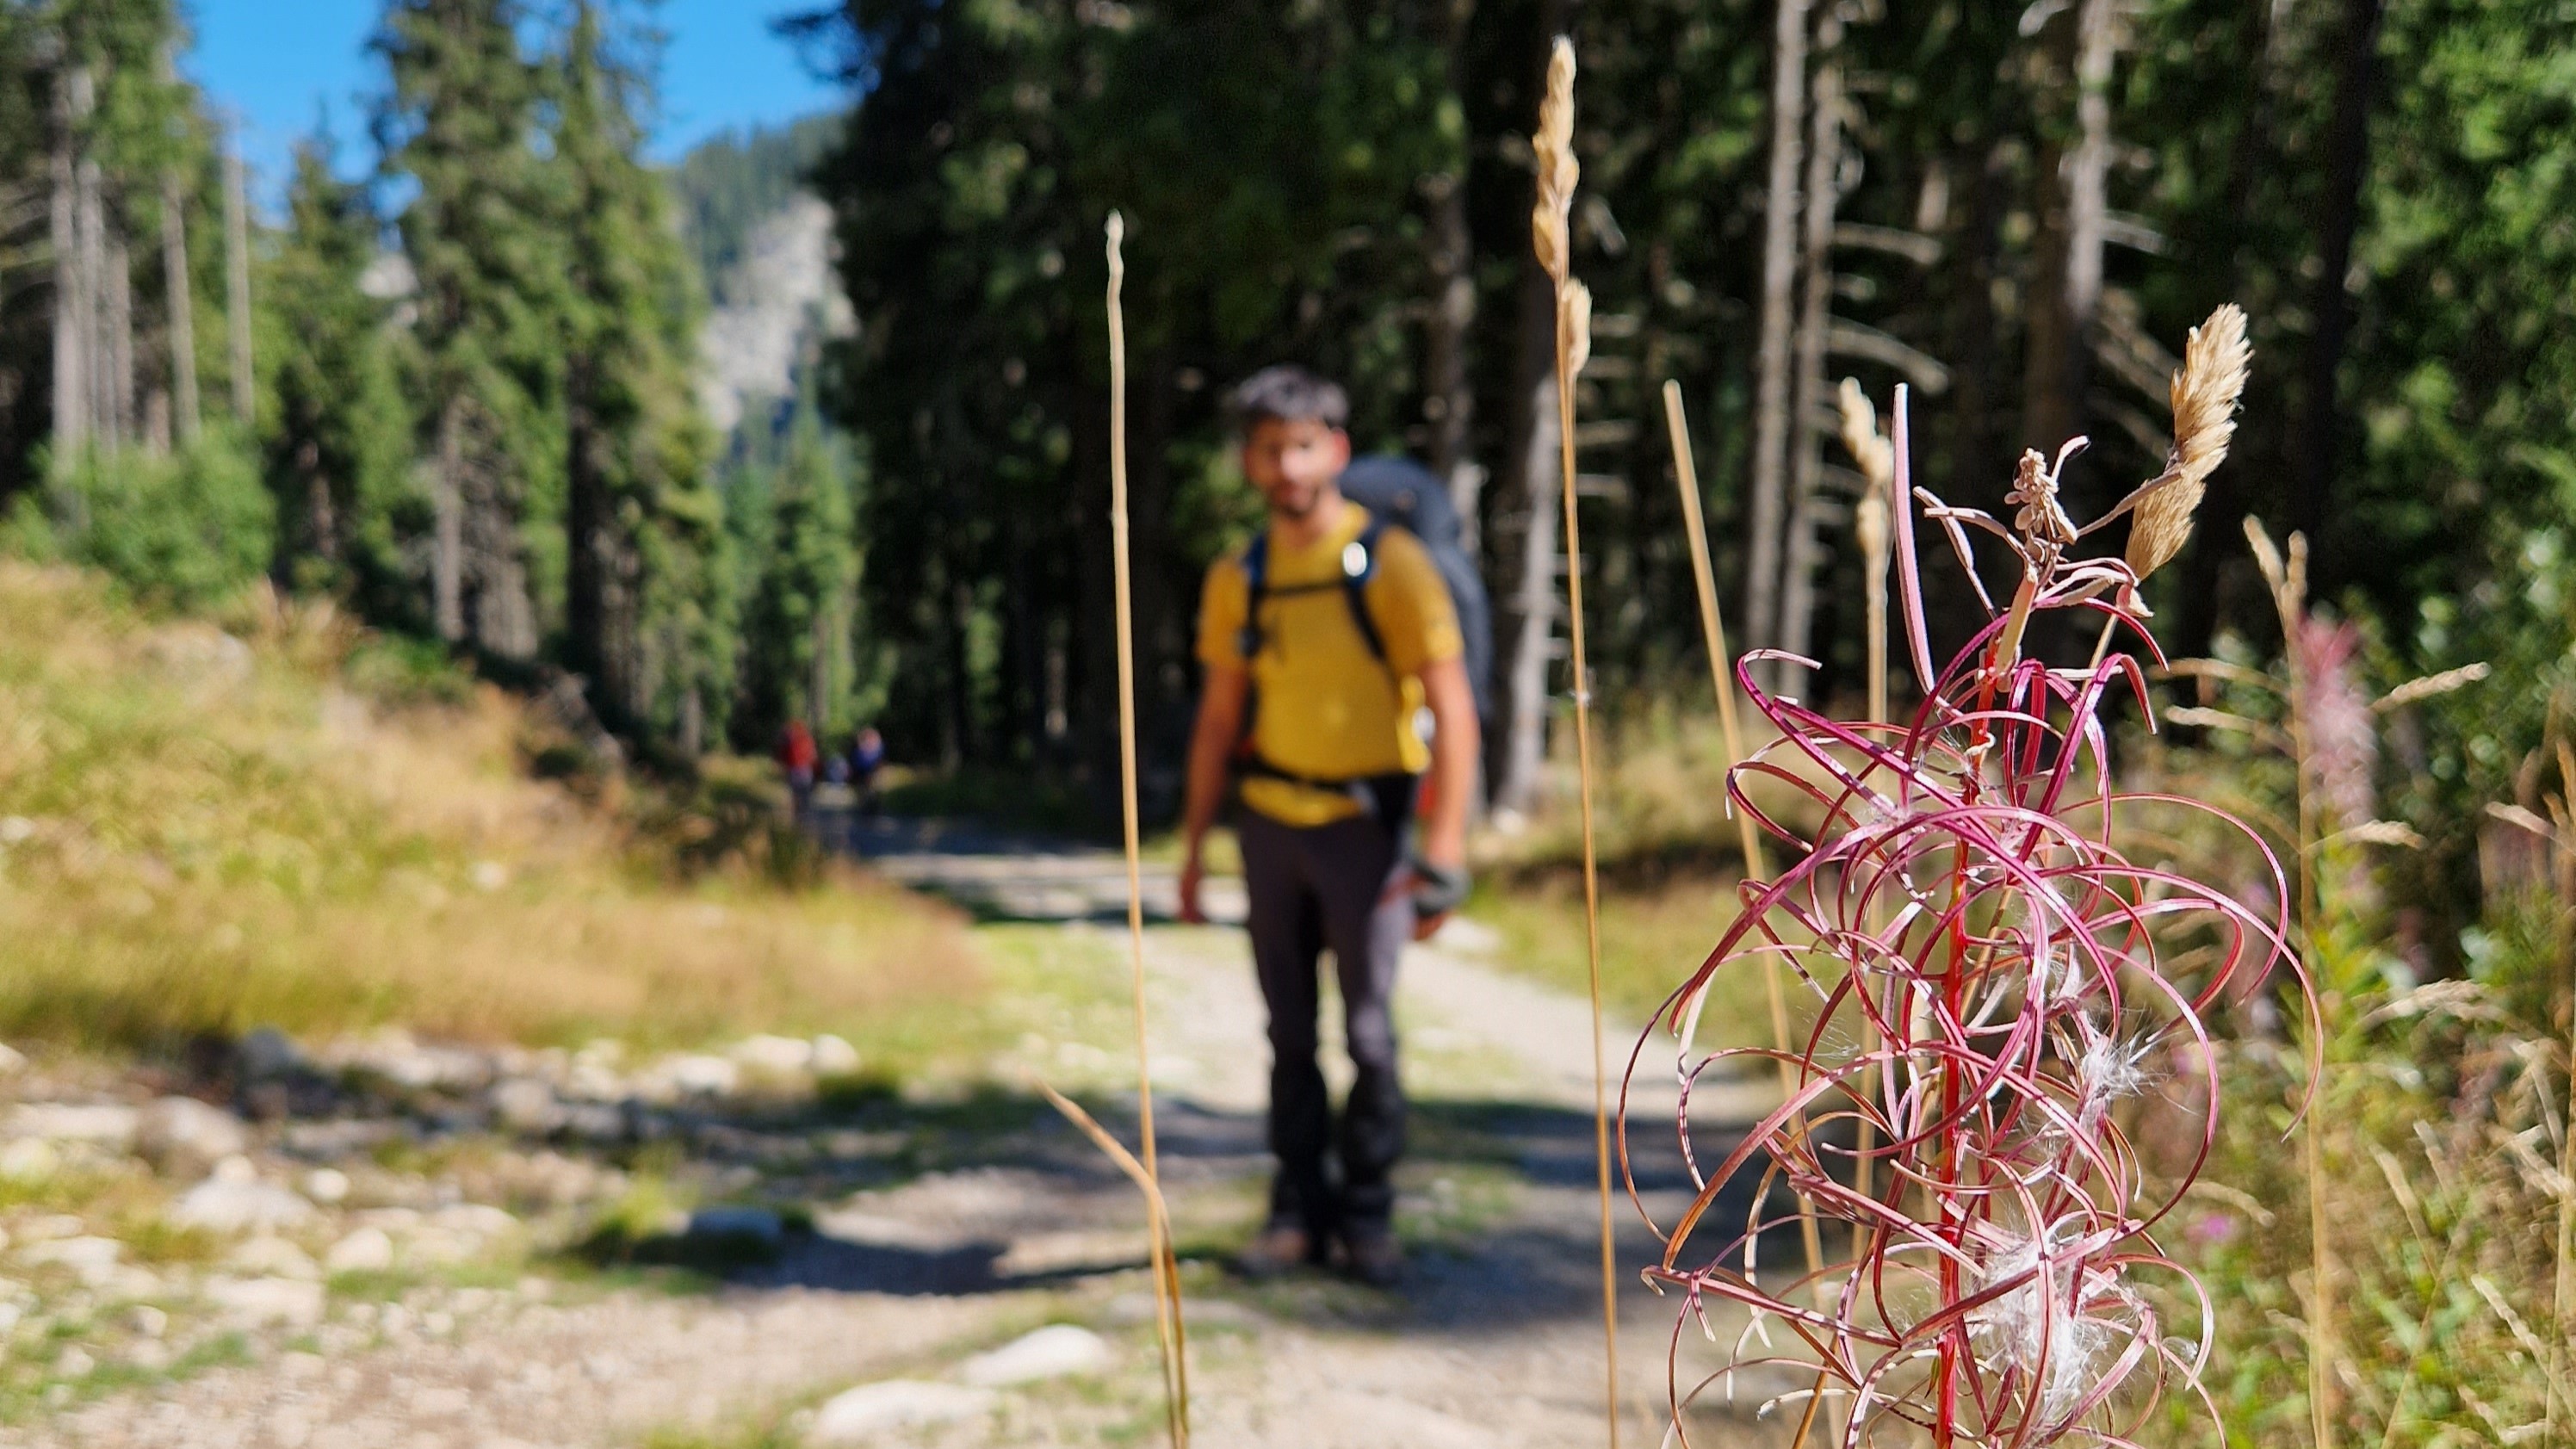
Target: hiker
796,759
1325,640
867,758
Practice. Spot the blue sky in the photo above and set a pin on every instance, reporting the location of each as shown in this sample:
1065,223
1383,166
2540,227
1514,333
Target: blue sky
276,63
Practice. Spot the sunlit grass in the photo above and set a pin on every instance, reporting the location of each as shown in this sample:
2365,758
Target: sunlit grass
198,836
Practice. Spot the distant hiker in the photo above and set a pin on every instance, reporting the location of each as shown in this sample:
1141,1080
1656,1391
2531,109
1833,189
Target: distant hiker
867,758
796,759
1326,642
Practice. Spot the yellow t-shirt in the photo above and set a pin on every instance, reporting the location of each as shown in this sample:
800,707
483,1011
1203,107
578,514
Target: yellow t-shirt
1325,707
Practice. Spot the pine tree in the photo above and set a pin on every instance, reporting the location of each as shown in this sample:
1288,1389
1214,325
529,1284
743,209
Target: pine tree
338,445
480,234
641,519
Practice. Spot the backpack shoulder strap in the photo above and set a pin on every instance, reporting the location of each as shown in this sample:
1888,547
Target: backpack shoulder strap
1256,583
1359,565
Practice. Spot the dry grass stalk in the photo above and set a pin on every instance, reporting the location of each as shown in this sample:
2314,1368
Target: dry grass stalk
1870,524
2205,393
2287,576
1551,238
1167,1285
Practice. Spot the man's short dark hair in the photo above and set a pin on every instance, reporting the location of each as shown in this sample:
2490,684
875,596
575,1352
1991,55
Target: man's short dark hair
1289,394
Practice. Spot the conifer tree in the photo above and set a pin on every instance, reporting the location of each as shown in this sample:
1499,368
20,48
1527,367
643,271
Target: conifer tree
479,232
338,445
641,519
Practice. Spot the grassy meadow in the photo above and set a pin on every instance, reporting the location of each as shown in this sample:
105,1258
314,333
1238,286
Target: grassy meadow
292,824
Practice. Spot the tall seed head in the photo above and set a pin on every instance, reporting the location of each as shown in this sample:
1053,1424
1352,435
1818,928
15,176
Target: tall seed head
2204,395
1576,300
1553,146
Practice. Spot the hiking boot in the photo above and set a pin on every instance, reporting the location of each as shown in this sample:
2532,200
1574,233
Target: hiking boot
1372,1254
1280,1248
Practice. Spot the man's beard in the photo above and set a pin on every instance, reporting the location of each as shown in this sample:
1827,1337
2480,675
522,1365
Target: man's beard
1295,503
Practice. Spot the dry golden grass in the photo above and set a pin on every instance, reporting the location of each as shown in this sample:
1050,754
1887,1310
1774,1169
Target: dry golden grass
198,835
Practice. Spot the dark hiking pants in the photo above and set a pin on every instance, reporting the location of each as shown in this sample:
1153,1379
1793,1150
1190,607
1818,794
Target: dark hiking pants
1313,888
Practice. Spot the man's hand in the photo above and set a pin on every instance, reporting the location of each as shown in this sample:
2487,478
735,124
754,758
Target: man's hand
1436,886
1193,871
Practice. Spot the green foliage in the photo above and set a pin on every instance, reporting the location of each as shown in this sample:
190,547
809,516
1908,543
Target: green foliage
794,496
185,530
338,429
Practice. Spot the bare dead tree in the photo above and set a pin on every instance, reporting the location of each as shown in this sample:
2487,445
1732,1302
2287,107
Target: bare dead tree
1449,400
237,279
447,535
115,336
1525,737
1797,593
2066,293
1771,417
182,308
2347,162
72,100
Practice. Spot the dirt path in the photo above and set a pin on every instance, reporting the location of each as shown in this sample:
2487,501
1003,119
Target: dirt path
1002,1221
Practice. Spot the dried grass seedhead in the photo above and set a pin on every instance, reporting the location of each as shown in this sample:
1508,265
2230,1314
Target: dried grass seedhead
1558,171
1869,448
1576,300
2205,393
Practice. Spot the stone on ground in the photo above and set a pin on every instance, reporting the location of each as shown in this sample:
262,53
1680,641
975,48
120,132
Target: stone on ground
1052,1352
364,1250
863,1414
183,1137
225,1203
107,1125
267,1300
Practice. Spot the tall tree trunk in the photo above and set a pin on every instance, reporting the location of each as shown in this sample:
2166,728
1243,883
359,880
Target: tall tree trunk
237,280
1449,400
502,613
1534,605
2067,286
116,338
71,284
182,309
1527,506
1824,159
321,515
1772,422
2195,624
2347,161
588,551
447,503
98,402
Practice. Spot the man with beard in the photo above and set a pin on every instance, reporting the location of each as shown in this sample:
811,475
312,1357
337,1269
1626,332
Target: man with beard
1333,682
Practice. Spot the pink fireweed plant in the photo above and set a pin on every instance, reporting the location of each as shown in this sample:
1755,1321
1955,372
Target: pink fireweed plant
1991,977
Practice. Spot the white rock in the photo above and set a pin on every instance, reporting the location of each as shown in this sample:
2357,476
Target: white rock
1051,1352
29,1159
479,1219
94,1259
147,1320
327,1185
856,1416
834,1057
524,1104
364,1250
772,1056
74,1364
272,1257
704,1076
222,1205
182,1136
235,1168
267,1052
254,1301
12,1061
107,1125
